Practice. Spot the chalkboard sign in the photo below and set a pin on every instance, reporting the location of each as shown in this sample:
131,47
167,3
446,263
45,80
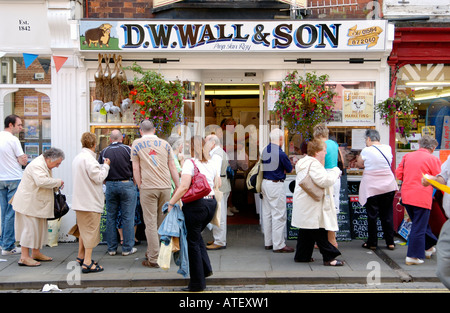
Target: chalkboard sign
344,232
292,232
358,217
353,187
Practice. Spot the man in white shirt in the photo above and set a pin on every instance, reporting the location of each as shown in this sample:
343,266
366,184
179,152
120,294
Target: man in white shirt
11,160
219,156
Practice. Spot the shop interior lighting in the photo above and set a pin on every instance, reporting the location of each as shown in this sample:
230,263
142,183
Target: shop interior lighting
433,96
428,83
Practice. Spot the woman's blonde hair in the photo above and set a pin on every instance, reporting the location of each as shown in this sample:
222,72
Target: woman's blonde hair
88,140
198,149
321,131
314,146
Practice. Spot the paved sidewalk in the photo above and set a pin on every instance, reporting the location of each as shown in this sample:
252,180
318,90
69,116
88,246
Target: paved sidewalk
244,262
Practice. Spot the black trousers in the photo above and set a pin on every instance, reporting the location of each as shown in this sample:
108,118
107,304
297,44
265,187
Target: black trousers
380,206
197,215
305,245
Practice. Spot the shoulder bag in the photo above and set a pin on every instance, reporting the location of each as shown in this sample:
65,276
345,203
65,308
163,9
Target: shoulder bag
311,188
199,187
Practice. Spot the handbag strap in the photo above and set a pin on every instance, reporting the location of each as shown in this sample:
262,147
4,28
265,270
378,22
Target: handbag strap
196,170
382,155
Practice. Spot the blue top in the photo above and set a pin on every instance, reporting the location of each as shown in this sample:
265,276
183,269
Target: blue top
173,226
275,163
331,158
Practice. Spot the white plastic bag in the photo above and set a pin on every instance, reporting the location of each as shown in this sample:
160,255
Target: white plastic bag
165,254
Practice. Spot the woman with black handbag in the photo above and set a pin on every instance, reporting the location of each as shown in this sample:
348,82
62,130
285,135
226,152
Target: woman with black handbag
34,204
197,212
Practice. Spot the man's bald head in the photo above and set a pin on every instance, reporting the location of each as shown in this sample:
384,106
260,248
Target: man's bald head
116,136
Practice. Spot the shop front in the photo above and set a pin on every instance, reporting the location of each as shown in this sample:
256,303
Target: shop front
420,65
230,70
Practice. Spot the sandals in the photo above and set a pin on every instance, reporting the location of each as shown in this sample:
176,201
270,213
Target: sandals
334,262
366,246
90,269
28,262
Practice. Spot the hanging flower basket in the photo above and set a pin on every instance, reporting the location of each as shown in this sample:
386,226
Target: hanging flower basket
399,109
158,101
304,102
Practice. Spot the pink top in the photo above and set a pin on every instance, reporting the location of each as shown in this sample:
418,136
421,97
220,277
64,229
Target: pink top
376,182
410,172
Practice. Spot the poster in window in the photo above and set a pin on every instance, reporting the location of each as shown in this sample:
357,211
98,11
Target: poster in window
45,106
46,130
45,146
31,150
30,106
358,105
31,129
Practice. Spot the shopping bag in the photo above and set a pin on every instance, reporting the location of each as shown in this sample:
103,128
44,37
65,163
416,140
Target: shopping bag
165,254
216,218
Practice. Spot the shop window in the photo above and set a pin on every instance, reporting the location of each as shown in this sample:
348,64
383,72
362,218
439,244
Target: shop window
34,109
353,114
430,84
102,123
13,70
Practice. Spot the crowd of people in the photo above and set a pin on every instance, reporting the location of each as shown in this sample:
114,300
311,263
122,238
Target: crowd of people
154,174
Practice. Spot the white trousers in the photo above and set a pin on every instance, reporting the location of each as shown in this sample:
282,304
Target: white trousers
273,207
220,233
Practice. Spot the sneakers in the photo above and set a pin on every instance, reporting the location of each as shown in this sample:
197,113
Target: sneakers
15,250
133,251
413,261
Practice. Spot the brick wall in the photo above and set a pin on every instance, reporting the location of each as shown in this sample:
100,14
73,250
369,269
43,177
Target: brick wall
141,9
126,9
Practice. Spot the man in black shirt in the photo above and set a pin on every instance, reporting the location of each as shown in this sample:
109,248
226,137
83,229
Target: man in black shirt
121,194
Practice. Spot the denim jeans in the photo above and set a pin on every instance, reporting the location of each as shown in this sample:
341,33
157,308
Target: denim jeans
7,190
120,196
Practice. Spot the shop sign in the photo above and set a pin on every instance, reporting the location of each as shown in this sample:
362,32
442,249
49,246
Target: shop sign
233,36
358,105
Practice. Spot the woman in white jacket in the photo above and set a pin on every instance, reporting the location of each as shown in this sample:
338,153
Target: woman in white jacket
88,200
33,203
315,218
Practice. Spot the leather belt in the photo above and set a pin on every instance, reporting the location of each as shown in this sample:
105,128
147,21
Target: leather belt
208,197
277,181
121,180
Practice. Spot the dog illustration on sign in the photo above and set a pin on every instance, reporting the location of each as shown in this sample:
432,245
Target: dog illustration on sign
98,36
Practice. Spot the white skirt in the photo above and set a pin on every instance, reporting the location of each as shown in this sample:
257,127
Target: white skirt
31,232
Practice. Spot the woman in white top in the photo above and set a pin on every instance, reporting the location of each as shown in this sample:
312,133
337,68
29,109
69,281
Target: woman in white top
377,189
198,213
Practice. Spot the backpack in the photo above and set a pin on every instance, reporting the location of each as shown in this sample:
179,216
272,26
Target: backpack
255,177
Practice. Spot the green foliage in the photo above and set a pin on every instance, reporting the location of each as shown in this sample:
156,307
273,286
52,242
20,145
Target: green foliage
399,109
159,101
304,102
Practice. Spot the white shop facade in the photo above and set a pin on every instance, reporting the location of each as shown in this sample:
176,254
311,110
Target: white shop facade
229,69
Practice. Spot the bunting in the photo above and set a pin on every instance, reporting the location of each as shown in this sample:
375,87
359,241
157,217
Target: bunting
59,62
29,58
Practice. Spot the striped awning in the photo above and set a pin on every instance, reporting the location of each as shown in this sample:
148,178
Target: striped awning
299,3
160,3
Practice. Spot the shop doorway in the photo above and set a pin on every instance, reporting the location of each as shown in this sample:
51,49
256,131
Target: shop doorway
237,105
